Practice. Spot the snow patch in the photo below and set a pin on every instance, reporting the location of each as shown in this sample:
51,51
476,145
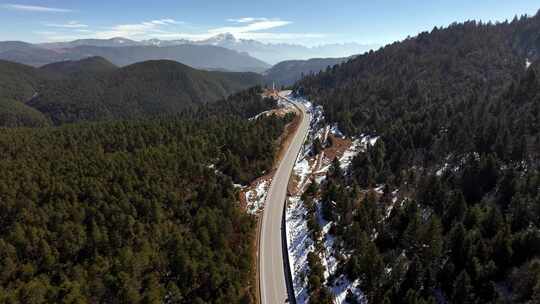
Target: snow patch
298,235
442,169
265,113
336,132
343,286
349,154
302,169
299,244
256,197
368,140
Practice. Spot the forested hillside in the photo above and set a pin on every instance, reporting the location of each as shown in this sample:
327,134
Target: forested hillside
84,67
288,72
19,83
140,211
143,89
93,89
455,217
17,114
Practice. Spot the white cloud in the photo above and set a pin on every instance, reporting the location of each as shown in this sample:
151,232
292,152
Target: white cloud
259,36
137,30
247,20
250,28
71,24
179,35
277,37
253,26
165,22
35,8
166,28
257,29
143,30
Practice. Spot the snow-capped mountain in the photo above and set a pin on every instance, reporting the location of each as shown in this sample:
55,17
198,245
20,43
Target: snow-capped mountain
113,42
274,53
268,52
165,43
220,40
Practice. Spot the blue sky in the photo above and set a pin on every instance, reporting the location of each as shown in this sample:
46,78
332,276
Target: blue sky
310,22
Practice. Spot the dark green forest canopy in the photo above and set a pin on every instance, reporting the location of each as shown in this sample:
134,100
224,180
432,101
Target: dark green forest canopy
141,90
457,111
16,114
133,211
95,90
84,67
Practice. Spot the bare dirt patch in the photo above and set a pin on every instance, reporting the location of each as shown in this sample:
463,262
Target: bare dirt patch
319,163
338,148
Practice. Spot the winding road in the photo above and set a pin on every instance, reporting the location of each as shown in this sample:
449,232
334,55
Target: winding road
273,258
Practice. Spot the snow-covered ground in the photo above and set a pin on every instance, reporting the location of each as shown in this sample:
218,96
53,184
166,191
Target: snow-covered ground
299,239
302,170
256,196
299,244
260,114
358,145
341,285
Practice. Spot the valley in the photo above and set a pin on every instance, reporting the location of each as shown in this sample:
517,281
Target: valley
215,157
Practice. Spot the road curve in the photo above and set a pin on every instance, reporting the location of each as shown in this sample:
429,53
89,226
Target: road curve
272,252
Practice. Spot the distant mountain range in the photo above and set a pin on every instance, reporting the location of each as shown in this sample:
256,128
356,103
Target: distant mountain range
274,53
113,42
124,52
213,53
94,89
267,52
220,53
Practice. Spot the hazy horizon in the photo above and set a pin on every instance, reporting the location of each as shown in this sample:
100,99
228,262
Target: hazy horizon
268,22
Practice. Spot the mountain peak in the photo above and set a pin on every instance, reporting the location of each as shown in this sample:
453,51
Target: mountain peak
120,40
222,38
226,36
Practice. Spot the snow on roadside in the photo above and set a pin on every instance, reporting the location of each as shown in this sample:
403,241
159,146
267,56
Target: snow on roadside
341,285
299,244
299,240
302,170
265,113
256,196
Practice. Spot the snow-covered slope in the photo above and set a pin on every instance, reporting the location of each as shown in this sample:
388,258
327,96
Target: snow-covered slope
309,169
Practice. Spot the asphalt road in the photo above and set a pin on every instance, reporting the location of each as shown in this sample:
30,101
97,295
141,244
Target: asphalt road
273,281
